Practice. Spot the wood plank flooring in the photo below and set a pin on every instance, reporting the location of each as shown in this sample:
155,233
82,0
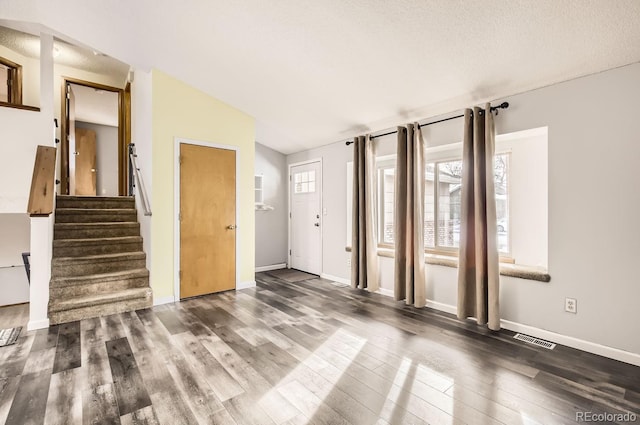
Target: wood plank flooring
298,353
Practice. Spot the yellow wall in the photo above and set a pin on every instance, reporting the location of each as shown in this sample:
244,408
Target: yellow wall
181,111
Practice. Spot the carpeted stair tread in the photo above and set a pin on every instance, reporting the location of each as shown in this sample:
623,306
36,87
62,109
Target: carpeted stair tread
98,299
95,198
97,258
100,277
96,246
74,314
93,211
95,264
95,230
91,202
96,215
107,224
99,283
58,243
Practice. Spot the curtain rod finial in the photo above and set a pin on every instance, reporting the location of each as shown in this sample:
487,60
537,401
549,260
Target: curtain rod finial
348,142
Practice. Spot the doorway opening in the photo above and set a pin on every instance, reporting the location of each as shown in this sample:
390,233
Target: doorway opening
96,132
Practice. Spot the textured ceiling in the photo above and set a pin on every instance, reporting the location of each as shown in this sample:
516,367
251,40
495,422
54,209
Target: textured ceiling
66,54
95,106
316,72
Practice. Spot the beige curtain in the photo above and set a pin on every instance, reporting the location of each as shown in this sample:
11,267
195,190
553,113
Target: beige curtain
478,272
364,243
409,276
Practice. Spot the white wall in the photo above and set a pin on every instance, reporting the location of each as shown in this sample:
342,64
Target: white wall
271,225
20,133
141,136
15,232
106,157
593,151
41,241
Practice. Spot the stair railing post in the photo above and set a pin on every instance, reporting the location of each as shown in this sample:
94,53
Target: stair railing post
132,151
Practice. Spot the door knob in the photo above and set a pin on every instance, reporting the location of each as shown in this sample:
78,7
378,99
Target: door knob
316,224
231,226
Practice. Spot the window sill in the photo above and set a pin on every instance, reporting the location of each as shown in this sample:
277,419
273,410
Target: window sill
511,270
16,106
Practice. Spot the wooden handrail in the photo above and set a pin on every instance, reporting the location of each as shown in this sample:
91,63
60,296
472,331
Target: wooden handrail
42,182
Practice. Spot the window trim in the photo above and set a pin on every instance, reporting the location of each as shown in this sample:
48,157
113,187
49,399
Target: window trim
14,81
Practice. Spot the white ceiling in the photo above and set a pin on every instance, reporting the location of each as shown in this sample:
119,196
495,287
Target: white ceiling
95,106
316,72
65,53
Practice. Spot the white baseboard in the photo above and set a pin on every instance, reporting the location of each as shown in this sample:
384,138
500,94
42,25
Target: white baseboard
271,267
386,292
580,344
37,324
569,341
246,284
447,308
335,278
163,300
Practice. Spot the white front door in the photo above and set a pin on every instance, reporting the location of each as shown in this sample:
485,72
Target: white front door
305,218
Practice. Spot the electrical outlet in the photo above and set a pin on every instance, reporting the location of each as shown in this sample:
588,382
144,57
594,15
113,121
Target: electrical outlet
571,305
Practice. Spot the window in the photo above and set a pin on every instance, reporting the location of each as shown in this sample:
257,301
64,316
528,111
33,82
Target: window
10,82
521,186
443,184
259,194
305,182
386,187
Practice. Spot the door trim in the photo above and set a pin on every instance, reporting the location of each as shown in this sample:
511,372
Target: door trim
321,186
176,206
124,134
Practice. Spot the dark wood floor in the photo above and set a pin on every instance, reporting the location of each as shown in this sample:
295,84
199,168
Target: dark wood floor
298,353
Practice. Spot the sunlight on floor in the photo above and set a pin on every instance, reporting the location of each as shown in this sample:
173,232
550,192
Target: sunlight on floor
307,386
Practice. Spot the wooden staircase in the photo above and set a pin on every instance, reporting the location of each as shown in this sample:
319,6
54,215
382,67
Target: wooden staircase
98,266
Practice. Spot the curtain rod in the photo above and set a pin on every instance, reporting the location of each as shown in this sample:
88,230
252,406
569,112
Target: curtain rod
503,105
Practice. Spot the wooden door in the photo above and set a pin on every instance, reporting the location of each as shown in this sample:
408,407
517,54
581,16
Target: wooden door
207,220
85,174
306,245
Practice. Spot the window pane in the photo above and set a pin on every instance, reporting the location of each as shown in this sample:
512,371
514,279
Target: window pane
311,176
501,178
312,186
449,185
429,206
297,177
388,199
